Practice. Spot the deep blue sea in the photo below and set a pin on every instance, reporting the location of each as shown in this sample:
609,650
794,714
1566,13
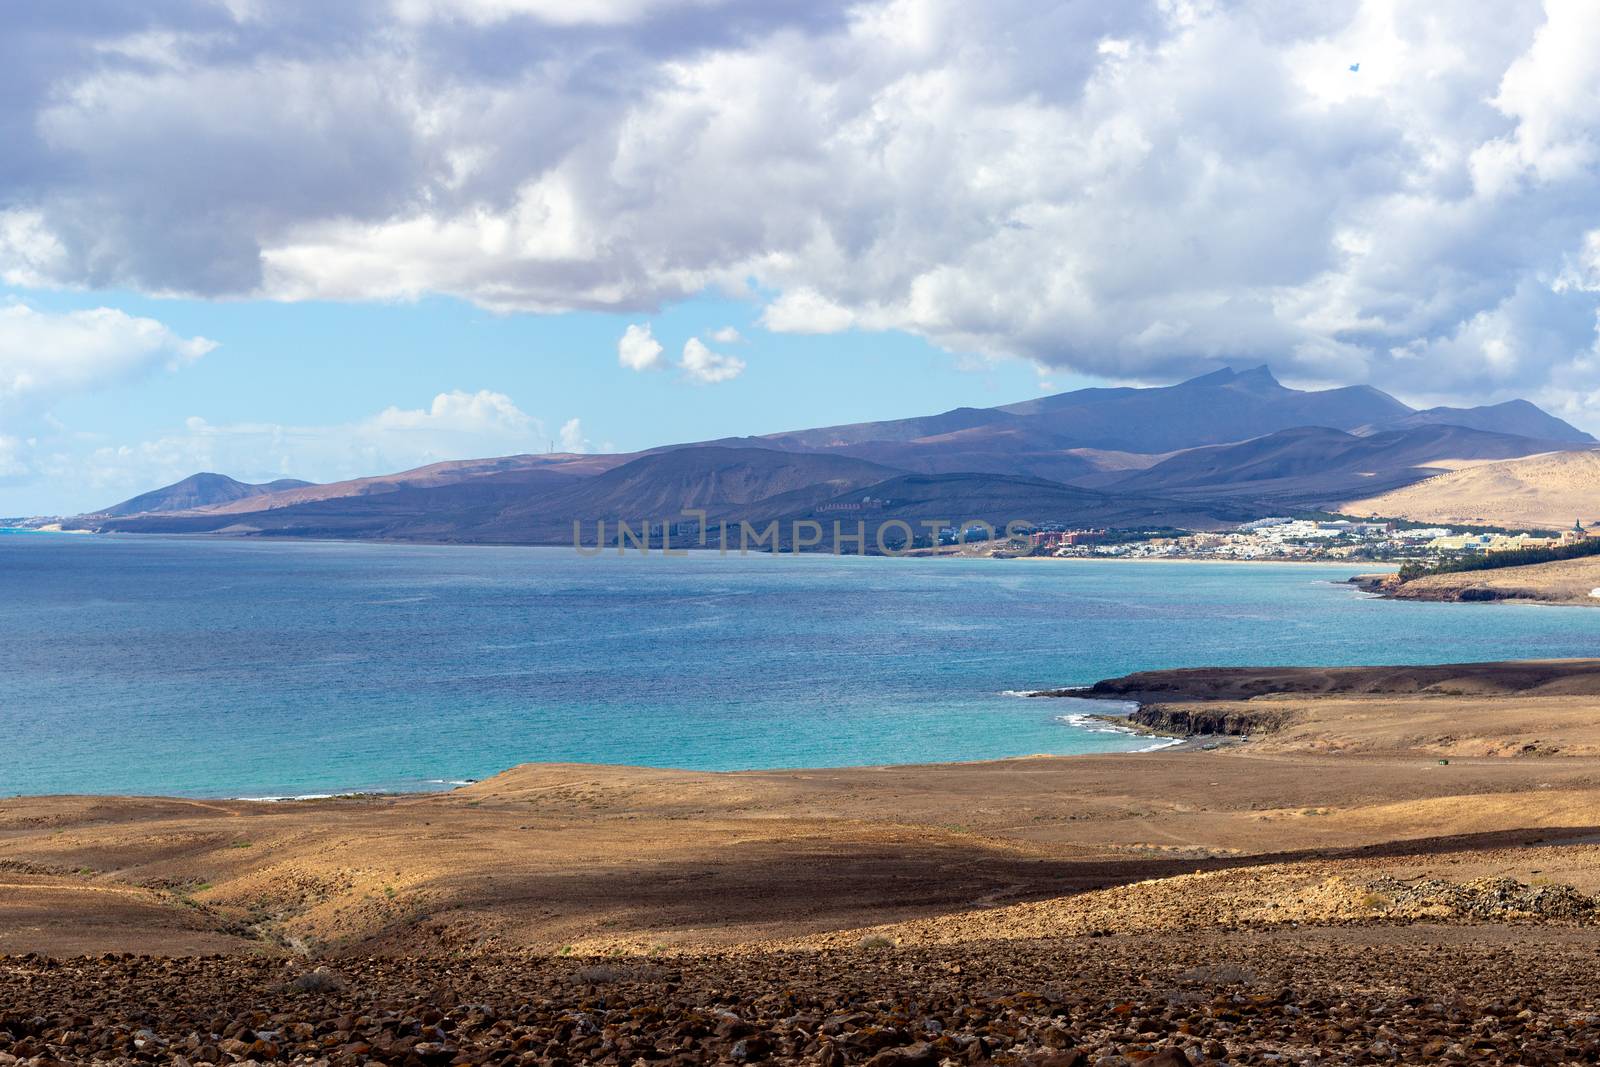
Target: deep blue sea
225,668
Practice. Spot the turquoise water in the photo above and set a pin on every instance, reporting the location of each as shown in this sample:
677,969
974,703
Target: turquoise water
218,668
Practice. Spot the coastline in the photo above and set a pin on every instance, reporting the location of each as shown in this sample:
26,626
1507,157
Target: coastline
1561,583
1341,564
1361,758
700,552
1394,825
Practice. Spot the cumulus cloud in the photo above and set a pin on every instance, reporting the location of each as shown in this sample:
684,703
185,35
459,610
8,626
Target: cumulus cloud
456,412
47,354
571,438
1131,190
639,350
727,335
804,310
707,367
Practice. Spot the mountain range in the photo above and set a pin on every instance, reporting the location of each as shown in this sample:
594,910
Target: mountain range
1202,454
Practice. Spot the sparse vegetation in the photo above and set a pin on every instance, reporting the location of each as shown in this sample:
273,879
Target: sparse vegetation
875,943
320,980
1376,902
1489,561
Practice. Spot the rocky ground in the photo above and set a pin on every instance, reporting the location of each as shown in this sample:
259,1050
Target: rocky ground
1414,994
1399,866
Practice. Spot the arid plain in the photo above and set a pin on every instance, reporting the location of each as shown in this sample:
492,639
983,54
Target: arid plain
1359,827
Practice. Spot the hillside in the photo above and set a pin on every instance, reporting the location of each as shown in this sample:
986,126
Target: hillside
1049,437
1222,406
1215,408
1512,417
1006,448
538,505
416,513
998,499
1218,449
1316,464
1567,581
726,483
1547,491
200,490
732,484
448,472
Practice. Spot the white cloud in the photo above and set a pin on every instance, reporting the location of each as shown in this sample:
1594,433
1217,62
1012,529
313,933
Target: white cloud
1128,190
805,310
572,439
727,335
638,350
482,412
707,367
556,12
30,255
44,355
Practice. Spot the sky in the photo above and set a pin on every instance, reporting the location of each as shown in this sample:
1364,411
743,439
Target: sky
282,238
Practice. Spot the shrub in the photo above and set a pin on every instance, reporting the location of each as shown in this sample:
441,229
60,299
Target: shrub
320,980
1518,557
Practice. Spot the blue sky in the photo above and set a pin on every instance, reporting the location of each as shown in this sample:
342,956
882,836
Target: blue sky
322,365
288,237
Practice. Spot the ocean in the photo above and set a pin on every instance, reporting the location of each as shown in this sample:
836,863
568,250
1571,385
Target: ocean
230,668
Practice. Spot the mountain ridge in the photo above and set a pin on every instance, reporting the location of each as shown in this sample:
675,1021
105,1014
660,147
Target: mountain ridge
203,489
1217,448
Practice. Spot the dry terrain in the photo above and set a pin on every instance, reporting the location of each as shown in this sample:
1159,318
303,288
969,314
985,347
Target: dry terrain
1546,491
1567,581
1397,865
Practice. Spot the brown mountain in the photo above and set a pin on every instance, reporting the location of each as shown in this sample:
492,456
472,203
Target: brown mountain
200,490
1001,499
1313,465
405,512
1223,406
1061,437
1216,449
1517,417
1215,408
539,505
731,484
448,472
1548,491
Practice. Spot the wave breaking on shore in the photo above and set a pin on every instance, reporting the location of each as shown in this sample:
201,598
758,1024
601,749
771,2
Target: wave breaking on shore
1097,722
